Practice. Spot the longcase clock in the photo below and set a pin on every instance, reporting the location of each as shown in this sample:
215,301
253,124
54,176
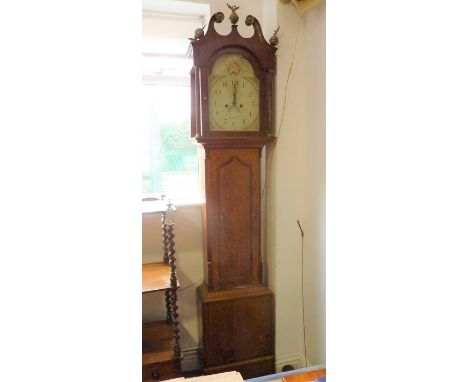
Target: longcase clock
232,119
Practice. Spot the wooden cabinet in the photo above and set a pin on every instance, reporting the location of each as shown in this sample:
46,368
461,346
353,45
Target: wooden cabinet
160,344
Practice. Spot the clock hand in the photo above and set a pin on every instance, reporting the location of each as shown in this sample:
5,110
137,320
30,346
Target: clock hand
234,101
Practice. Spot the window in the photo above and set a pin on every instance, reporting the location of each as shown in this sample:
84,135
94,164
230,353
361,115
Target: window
170,158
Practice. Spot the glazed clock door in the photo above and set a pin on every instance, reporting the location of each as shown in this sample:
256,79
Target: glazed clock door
233,95
233,205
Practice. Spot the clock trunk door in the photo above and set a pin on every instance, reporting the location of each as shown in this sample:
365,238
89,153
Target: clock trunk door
233,221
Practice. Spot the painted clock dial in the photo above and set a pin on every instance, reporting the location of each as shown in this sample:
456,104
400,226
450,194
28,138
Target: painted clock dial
233,95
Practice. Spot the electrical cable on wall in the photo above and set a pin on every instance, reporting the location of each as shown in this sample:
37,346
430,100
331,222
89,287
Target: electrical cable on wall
268,160
196,283
302,285
286,89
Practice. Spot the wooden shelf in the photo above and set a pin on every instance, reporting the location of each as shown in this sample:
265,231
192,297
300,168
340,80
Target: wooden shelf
158,342
156,277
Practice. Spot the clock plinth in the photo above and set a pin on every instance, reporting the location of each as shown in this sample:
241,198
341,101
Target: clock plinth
232,118
238,330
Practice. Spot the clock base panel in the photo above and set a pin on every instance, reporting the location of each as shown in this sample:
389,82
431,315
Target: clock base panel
237,330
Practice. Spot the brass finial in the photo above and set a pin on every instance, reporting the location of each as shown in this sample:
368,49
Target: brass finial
199,33
274,40
233,16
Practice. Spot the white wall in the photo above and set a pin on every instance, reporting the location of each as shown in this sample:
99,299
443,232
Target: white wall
314,186
285,179
296,187
295,190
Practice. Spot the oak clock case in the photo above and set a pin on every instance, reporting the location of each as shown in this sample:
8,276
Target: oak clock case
232,108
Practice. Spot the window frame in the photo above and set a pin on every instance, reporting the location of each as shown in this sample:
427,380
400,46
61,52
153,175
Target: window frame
178,11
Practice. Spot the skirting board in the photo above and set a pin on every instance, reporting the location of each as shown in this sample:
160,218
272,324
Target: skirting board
295,360
191,362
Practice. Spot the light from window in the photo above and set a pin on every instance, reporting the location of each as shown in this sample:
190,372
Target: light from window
170,158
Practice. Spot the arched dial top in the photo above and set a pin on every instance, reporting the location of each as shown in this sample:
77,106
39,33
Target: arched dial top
233,90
